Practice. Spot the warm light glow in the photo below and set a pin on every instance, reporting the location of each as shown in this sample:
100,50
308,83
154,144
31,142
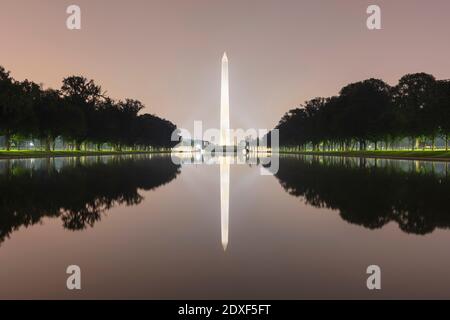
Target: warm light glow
224,199
225,105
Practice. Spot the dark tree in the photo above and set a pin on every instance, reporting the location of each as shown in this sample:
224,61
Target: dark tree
370,112
367,105
16,107
413,98
442,109
80,114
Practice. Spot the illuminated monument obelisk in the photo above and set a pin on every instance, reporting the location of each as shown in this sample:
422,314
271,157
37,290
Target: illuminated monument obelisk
224,161
225,105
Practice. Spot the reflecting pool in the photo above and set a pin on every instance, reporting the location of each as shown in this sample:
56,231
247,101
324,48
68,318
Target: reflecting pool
149,227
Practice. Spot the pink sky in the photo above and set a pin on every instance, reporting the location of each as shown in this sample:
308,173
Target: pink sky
167,53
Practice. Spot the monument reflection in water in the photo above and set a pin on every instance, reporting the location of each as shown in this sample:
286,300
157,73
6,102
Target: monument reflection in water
224,161
367,192
224,199
331,216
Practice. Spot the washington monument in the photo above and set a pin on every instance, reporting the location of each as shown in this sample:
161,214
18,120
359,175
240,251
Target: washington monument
225,105
225,141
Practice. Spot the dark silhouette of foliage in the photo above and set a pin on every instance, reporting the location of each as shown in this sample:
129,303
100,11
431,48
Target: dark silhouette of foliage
79,192
370,193
80,113
16,107
371,111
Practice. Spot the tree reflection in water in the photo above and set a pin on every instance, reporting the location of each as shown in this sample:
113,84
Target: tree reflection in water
77,190
372,192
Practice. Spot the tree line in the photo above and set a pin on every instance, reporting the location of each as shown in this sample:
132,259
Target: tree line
414,114
80,114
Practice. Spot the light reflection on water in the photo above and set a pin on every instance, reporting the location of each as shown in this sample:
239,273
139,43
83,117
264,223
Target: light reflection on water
143,227
224,199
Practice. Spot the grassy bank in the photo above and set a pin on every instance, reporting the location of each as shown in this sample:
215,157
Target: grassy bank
18,154
437,155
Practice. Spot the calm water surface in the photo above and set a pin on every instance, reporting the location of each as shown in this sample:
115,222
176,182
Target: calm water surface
143,227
